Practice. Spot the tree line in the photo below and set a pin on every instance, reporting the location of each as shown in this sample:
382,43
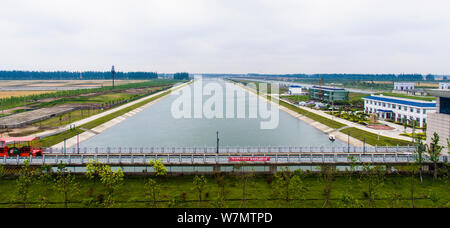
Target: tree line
364,77
67,75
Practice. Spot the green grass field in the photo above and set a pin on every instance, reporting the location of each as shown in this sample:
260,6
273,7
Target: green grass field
421,98
297,98
372,139
259,193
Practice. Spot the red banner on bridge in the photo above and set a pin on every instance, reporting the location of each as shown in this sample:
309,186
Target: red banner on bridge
249,159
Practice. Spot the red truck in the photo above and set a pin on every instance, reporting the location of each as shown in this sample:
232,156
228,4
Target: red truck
20,146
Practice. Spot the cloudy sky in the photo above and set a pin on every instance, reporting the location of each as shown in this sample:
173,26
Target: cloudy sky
234,36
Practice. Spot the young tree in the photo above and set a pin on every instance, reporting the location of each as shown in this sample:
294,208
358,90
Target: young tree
288,185
327,178
152,188
374,177
112,180
24,182
66,184
419,156
434,150
93,169
199,186
244,177
46,180
221,183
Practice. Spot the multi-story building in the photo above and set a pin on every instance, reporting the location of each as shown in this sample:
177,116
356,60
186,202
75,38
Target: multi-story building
444,85
399,109
328,94
297,90
404,86
439,122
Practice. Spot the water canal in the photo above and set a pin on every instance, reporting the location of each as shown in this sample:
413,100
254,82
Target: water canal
156,126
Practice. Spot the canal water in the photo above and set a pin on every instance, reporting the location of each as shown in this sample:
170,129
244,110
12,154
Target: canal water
156,126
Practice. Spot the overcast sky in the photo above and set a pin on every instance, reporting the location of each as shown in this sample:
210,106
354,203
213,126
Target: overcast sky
233,36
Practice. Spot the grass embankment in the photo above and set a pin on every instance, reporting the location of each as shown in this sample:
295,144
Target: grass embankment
259,193
372,139
297,98
55,139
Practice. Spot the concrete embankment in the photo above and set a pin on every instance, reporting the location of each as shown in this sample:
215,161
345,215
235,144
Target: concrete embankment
325,129
89,133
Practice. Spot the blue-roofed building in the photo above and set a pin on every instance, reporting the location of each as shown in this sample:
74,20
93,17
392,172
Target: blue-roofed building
399,109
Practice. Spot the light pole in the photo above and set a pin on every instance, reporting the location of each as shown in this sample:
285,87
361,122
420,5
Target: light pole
113,72
217,148
348,141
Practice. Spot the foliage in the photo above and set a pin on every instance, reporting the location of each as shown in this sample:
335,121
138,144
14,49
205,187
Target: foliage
374,177
66,184
158,167
326,179
152,188
288,185
45,179
434,151
24,181
112,180
199,185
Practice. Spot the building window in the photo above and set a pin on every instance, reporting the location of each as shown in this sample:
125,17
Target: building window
418,111
400,107
424,111
411,109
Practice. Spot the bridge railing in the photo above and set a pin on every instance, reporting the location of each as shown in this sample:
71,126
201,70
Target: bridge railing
226,150
204,159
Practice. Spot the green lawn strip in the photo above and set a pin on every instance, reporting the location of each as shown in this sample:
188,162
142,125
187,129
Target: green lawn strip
372,139
259,192
422,98
55,139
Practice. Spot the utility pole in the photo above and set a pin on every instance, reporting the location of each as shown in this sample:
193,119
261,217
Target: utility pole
364,145
217,148
113,72
348,141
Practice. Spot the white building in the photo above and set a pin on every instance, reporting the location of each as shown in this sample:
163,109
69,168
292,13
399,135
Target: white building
439,122
399,109
444,85
297,90
404,86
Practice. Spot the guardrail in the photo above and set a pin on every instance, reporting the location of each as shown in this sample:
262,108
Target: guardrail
226,150
204,159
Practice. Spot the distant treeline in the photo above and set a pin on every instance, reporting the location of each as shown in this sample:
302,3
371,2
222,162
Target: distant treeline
66,75
181,76
364,77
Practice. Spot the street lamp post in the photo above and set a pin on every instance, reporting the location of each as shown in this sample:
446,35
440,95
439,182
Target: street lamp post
113,72
217,148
